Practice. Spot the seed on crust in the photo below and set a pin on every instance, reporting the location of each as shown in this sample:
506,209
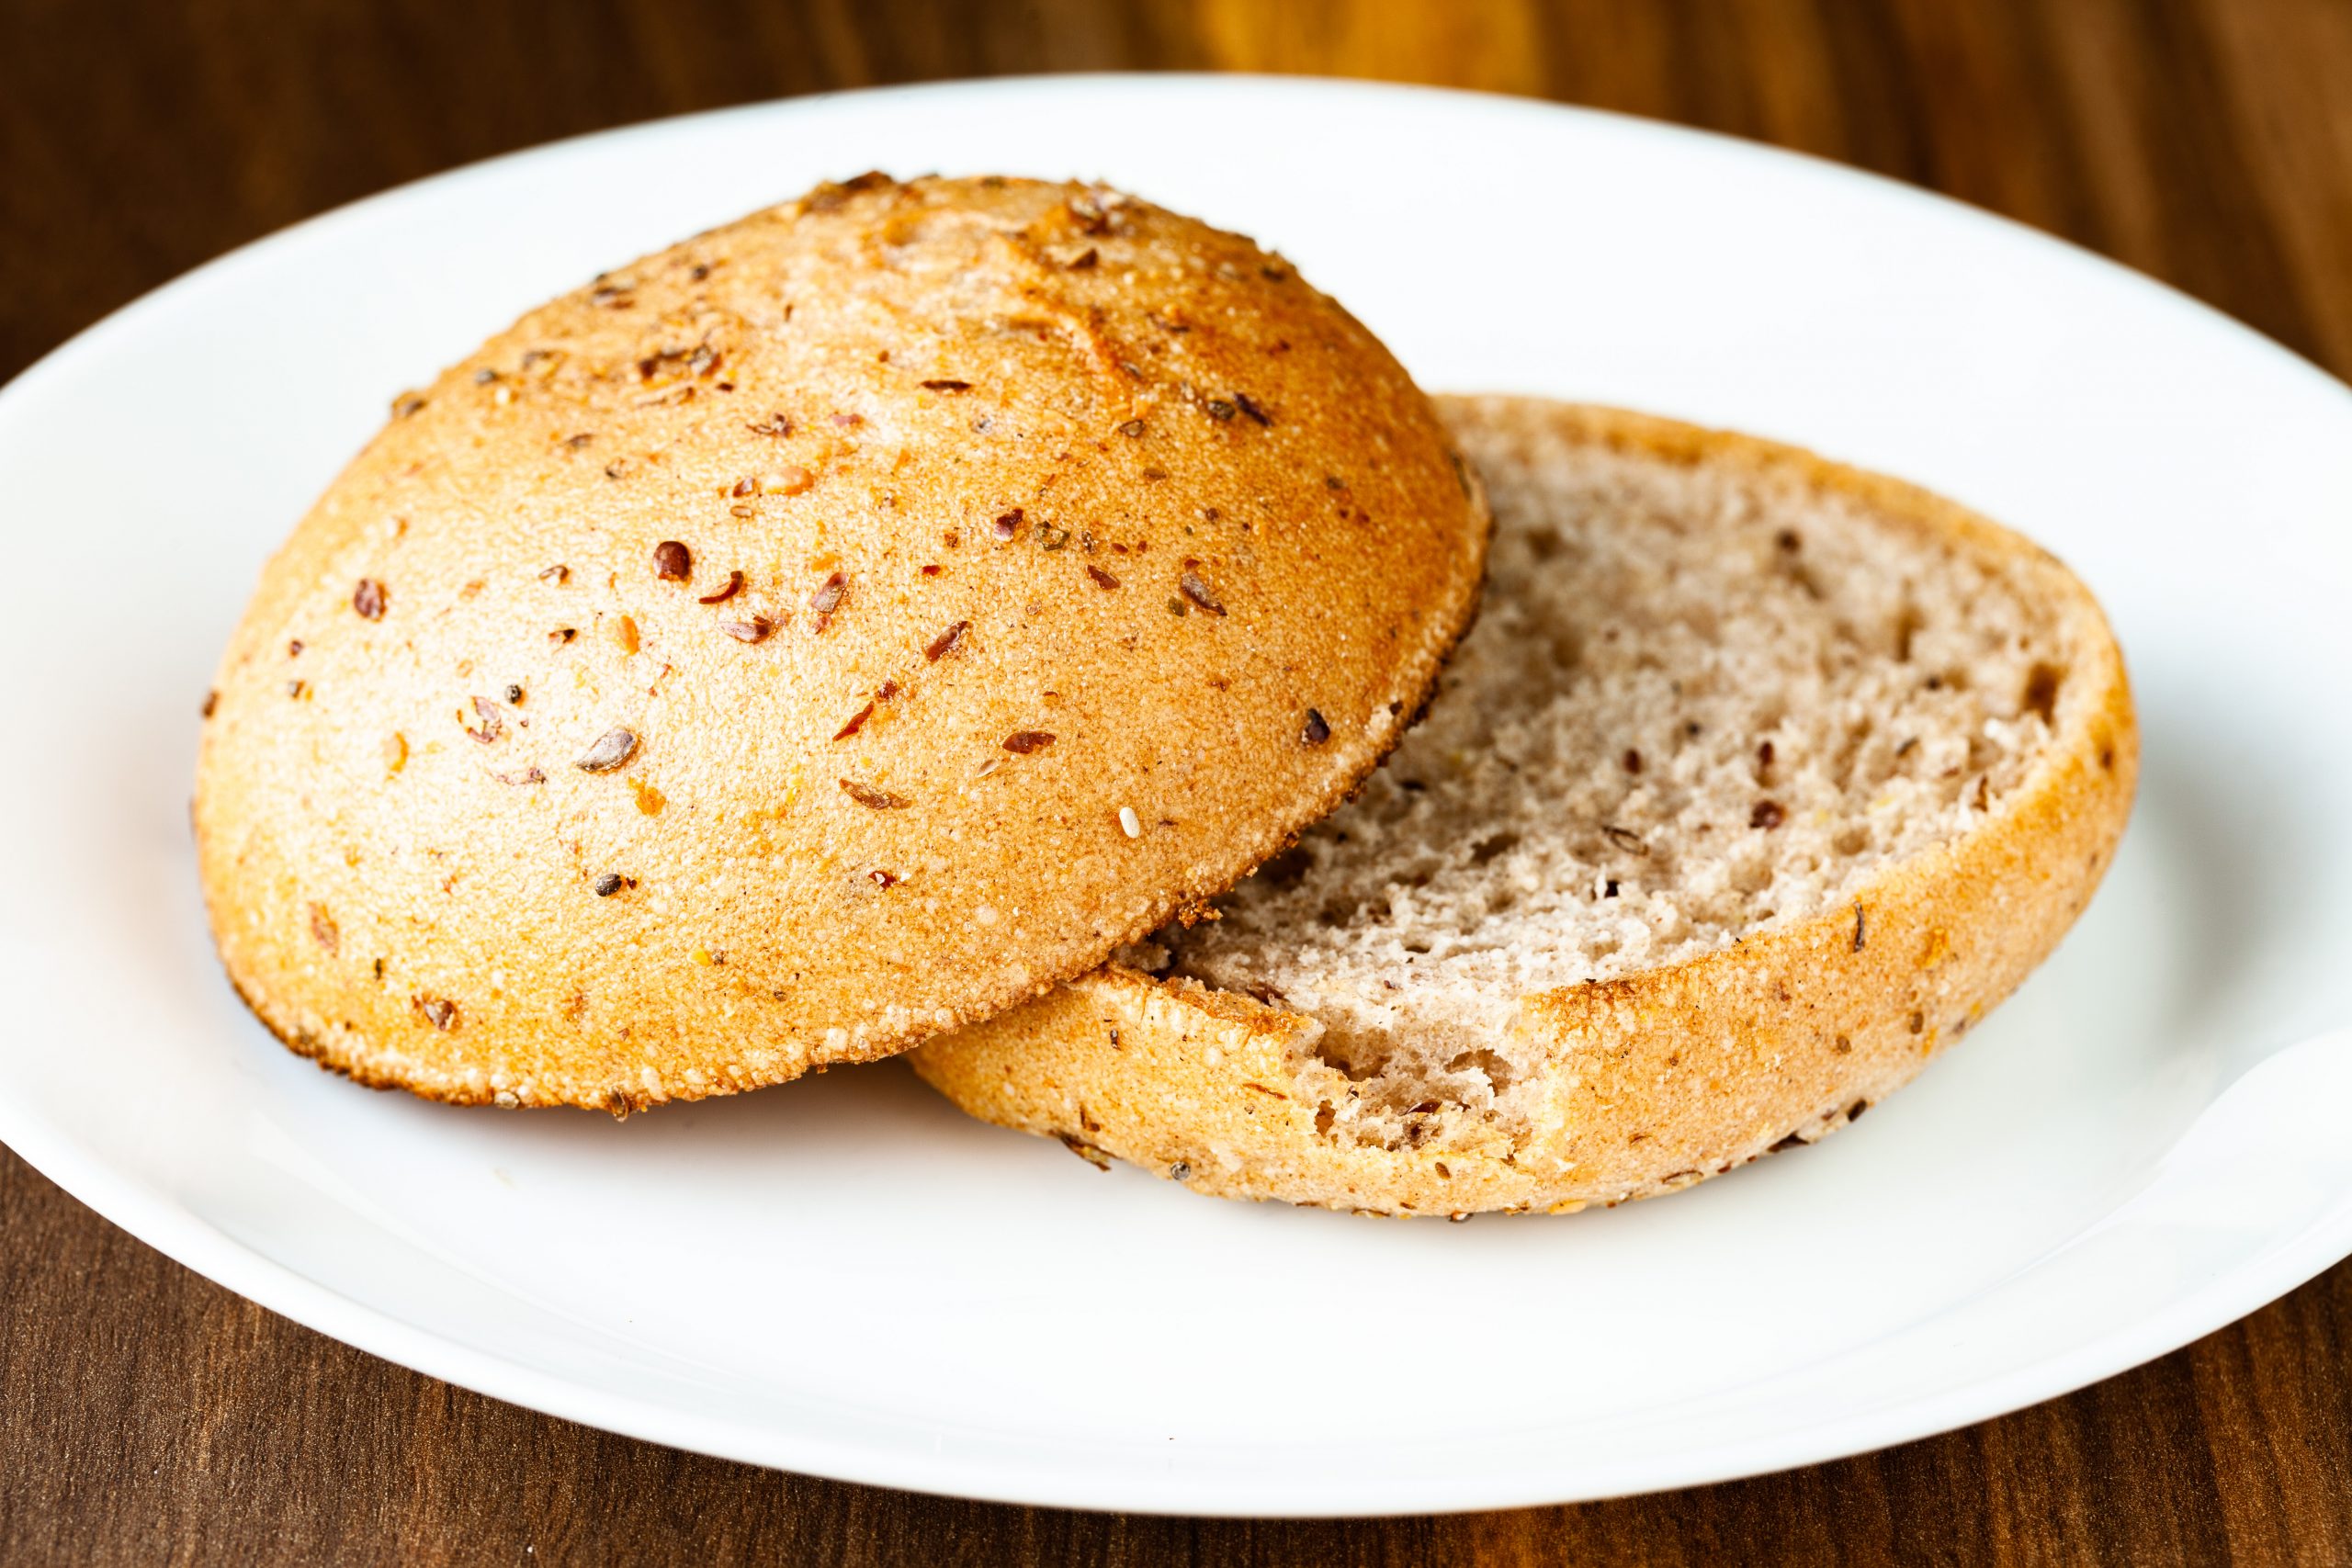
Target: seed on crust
1199,592
612,750
947,642
494,722
872,798
368,598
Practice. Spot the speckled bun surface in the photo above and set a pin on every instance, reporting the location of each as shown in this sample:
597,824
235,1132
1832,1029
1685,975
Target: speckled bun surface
835,628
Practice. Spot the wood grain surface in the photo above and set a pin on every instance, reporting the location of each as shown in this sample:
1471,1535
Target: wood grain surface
149,1417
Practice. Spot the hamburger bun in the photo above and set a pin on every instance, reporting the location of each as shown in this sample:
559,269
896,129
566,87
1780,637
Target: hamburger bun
841,625
1759,783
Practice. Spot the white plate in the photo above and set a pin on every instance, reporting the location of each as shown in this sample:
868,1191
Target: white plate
844,1277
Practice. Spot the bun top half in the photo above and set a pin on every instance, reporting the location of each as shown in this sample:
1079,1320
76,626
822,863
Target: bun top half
827,631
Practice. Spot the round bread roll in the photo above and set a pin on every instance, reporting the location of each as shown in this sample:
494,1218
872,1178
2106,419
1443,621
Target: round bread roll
1760,781
836,627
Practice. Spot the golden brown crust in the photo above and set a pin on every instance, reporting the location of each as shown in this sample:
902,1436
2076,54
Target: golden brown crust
1660,1079
745,662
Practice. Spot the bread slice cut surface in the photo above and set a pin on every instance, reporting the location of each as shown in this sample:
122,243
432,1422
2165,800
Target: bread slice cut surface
1759,780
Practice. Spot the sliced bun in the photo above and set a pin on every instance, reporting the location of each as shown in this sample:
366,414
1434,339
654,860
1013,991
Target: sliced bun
1760,780
838,626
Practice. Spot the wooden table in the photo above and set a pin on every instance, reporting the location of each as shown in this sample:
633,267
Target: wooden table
147,1416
